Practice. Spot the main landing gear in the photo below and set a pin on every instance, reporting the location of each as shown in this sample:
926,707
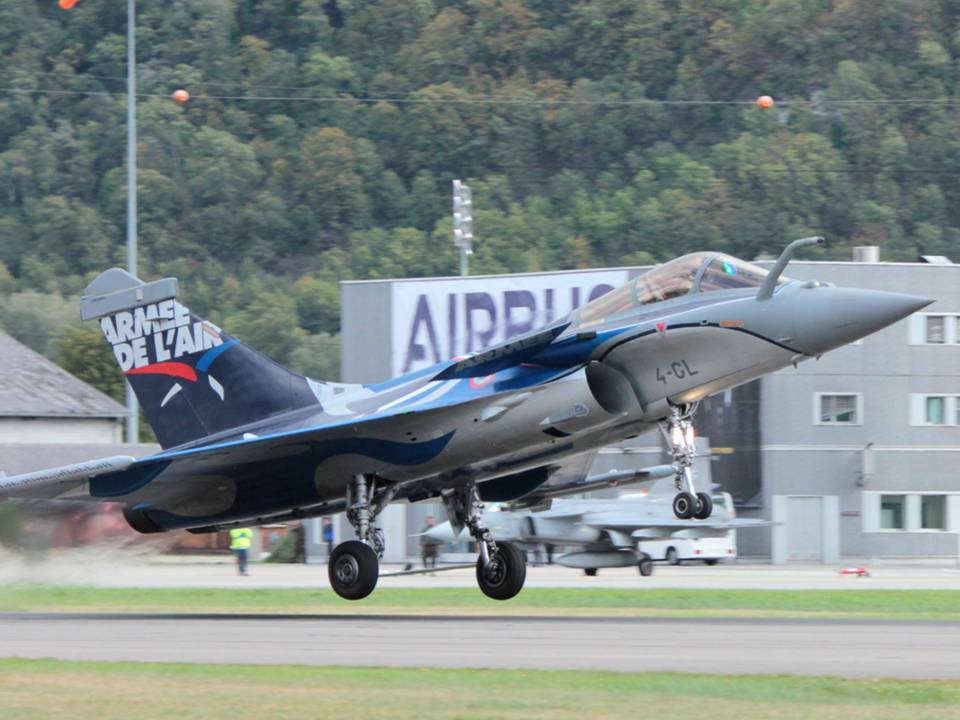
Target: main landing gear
678,432
354,566
501,567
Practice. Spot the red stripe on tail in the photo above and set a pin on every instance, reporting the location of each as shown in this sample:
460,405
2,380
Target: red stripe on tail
177,369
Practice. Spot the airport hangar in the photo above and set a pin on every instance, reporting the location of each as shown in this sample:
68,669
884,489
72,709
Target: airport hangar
855,455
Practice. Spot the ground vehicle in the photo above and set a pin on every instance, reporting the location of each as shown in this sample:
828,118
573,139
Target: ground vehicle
709,550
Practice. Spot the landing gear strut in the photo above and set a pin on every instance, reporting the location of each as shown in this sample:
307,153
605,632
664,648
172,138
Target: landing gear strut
501,567
678,432
354,565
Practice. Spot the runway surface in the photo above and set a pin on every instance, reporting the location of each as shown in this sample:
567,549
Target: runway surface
106,567
901,649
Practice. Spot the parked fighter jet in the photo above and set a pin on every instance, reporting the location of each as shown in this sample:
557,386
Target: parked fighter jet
605,532
247,441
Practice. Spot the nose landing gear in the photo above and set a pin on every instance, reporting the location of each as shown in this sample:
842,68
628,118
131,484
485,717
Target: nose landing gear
678,432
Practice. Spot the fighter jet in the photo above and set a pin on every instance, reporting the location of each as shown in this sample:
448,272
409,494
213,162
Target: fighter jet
600,532
246,441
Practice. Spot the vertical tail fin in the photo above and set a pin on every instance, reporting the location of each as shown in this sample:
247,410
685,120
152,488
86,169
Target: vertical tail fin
191,378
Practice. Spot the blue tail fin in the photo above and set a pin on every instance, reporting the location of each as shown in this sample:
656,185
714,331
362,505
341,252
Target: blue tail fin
191,378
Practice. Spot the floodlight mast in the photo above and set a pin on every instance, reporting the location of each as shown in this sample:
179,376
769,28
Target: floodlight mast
133,412
463,224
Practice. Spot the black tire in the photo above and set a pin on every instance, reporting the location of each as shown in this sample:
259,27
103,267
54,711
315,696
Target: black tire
684,505
590,572
504,576
645,566
704,506
710,561
353,570
672,556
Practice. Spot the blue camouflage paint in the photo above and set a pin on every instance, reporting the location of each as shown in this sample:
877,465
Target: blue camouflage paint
126,481
257,493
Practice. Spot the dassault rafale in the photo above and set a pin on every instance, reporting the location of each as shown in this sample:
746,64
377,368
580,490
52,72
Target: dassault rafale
246,441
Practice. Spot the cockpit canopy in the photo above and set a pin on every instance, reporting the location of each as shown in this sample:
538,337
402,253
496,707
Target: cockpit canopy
694,273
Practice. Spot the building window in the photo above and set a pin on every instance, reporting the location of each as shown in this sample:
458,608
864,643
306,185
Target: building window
838,409
892,512
935,329
905,512
933,512
936,411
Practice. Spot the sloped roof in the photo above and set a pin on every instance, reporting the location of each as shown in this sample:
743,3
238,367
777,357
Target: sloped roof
32,386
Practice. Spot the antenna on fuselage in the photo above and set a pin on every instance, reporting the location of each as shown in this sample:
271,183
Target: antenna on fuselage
766,290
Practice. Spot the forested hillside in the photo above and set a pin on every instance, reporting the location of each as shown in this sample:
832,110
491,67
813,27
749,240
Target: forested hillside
321,138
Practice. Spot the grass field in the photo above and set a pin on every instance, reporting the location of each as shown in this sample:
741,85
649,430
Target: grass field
867,604
75,690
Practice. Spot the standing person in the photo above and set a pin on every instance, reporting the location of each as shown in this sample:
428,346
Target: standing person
429,547
327,524
240,541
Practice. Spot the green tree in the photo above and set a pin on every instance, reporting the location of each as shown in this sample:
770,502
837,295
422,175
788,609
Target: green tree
270,324
83,352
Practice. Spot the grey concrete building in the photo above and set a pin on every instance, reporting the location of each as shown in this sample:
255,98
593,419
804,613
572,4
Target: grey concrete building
859,450
855,455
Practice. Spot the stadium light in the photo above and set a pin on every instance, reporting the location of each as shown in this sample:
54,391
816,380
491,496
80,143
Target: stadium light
463,223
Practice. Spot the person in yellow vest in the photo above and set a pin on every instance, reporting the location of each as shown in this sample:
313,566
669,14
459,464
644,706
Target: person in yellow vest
240,541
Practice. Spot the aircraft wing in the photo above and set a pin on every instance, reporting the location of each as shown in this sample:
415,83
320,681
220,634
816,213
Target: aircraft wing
56,482
289,458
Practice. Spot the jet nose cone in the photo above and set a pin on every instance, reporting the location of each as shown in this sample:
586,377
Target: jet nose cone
837,316
867,311
906,305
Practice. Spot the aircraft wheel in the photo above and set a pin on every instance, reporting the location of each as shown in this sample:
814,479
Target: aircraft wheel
645,566
590,572
504,575
353,570
704,506
673,558
684,505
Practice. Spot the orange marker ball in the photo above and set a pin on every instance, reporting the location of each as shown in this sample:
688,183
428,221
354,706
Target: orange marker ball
765,102
67,4
180,96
